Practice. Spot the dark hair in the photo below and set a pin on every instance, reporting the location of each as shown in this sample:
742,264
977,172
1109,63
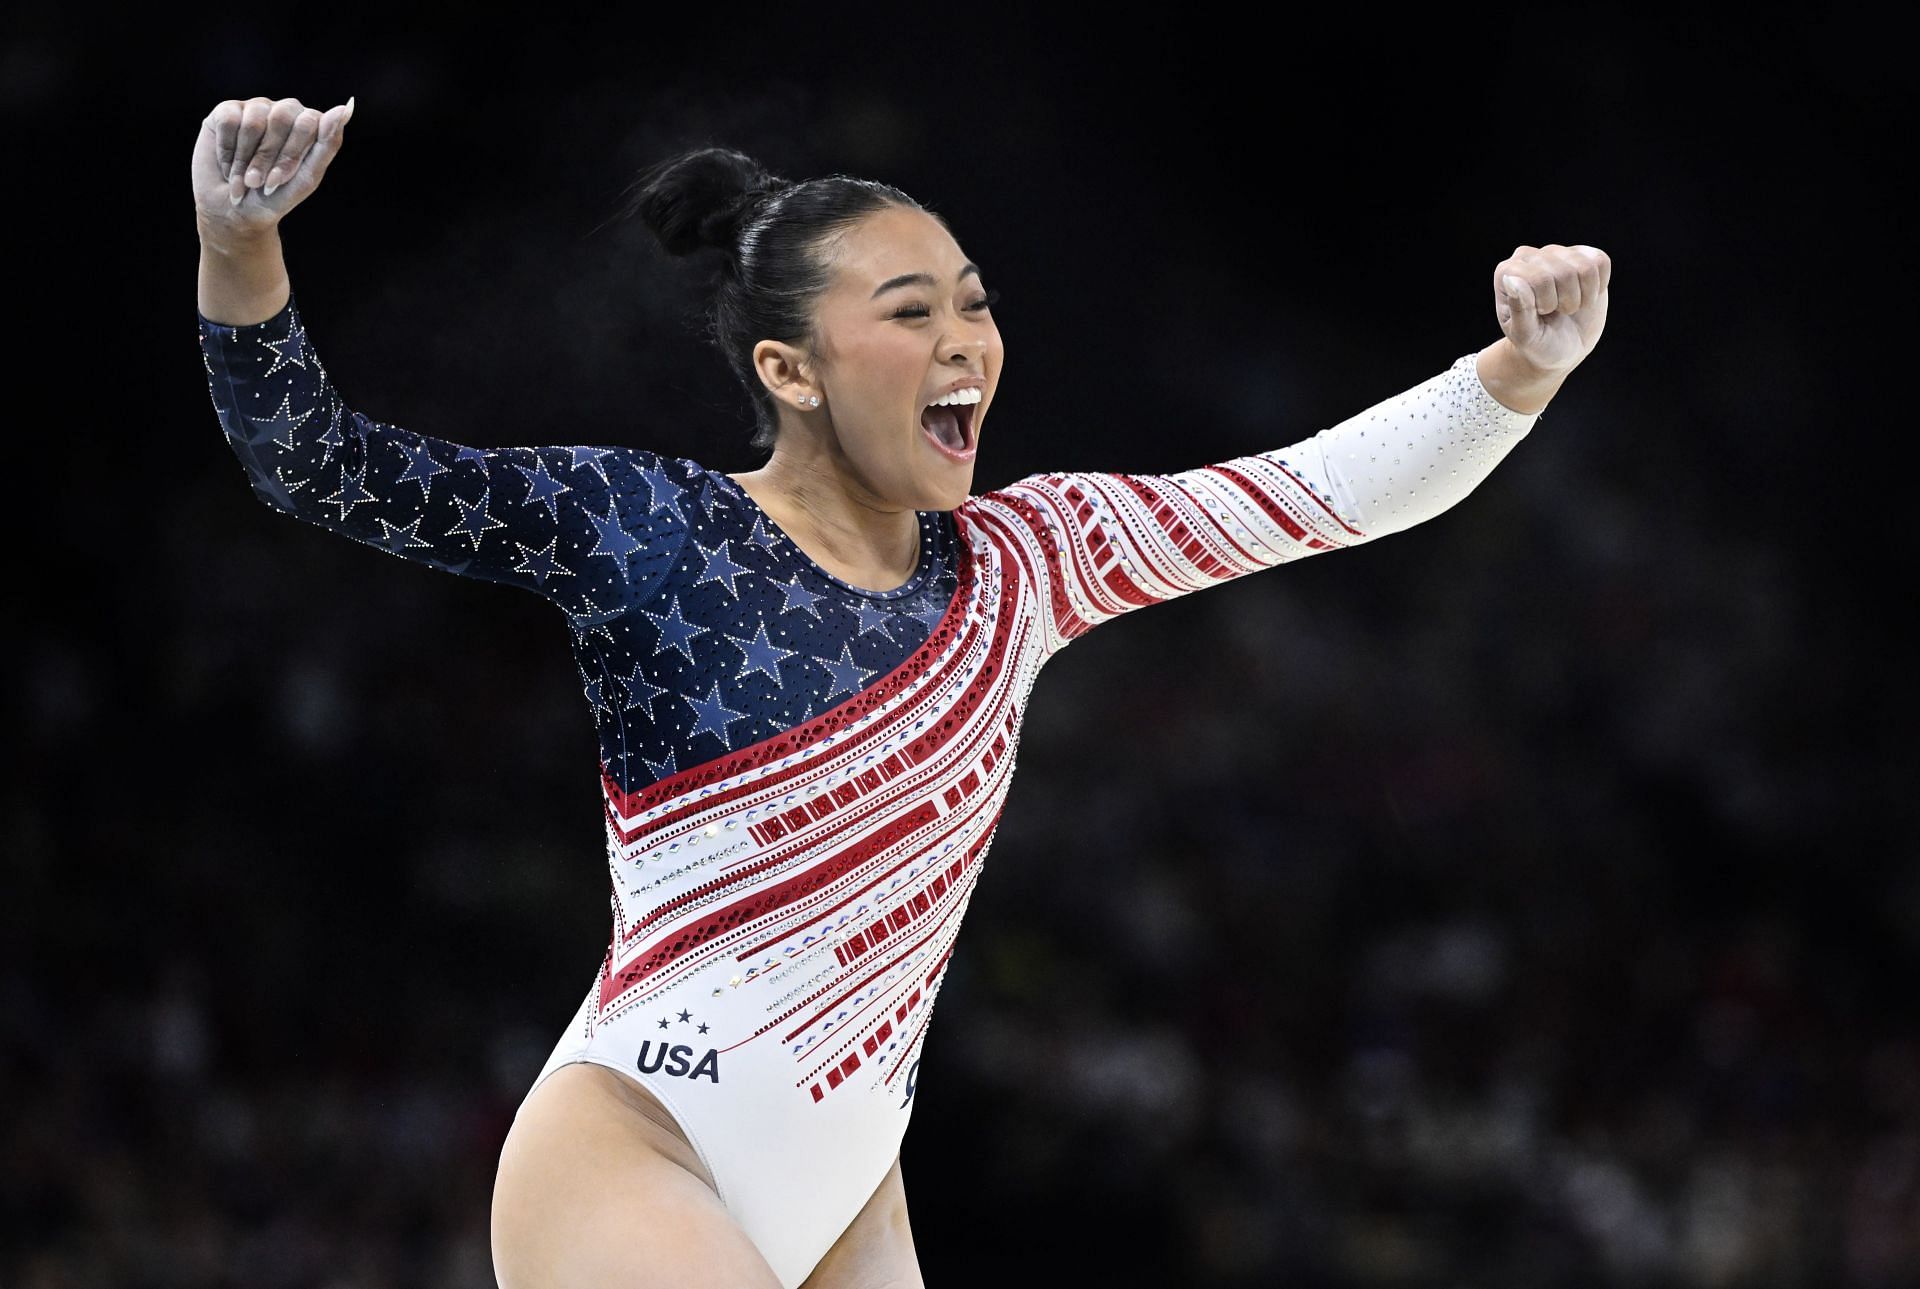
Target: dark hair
770,231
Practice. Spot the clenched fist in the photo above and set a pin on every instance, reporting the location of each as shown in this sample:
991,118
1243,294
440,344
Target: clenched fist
1552,302
257,159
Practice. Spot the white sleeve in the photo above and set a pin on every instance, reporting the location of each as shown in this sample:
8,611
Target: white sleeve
1102,544
1409,458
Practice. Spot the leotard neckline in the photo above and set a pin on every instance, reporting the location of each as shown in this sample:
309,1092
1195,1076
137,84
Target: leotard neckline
924,562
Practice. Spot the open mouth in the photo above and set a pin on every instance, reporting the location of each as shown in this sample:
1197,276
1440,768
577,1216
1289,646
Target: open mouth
950,429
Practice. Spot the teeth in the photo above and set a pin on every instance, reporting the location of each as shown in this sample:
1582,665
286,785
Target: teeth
956,398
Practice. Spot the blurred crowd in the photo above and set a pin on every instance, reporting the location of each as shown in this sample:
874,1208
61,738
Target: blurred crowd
1525,899
1444,912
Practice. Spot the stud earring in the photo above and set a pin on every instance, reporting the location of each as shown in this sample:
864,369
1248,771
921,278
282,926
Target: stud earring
814,401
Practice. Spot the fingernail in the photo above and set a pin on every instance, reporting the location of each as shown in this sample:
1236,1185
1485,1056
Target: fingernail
349,105
1512,284
234,197
253,178
268,190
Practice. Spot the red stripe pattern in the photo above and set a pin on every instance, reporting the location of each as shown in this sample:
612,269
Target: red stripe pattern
1105,544
830,867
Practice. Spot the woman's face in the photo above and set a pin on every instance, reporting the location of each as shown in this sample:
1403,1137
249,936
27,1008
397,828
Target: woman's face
903,322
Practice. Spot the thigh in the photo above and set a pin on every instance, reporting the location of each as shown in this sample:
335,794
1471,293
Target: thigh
876,1249
586,1197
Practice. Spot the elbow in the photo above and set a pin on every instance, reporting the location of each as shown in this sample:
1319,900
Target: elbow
265,481
266,498
269,491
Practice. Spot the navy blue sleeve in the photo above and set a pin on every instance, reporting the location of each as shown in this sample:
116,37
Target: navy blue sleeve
583,526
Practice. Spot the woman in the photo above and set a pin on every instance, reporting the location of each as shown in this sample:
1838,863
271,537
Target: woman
808,679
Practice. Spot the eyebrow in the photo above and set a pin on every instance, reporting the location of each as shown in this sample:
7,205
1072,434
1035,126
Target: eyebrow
918,279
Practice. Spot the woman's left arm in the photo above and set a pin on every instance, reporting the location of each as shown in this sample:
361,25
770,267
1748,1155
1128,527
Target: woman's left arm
1104,544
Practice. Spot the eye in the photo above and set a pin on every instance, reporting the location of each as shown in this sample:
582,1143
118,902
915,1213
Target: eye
981,305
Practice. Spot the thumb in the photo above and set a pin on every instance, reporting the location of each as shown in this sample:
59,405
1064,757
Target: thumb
1518,310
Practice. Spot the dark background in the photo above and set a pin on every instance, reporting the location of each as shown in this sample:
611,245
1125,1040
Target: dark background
1529,898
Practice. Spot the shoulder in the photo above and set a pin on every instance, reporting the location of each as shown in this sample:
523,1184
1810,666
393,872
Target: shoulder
1024,499
643,485
653,469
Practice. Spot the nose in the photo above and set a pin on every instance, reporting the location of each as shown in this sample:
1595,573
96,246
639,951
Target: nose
965,351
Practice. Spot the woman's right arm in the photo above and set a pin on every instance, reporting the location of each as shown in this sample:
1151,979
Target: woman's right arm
584,526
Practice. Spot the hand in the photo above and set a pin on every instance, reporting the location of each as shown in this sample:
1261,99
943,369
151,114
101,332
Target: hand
1552,303
258,159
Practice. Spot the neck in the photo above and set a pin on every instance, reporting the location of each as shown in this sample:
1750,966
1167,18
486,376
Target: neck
837,523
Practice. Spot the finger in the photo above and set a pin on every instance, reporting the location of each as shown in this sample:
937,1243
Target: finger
1535,267
299,139
313,166
1586,271
1522,324
1565,276
280,121
239,142
1540,285
253,124
223,125
1603,263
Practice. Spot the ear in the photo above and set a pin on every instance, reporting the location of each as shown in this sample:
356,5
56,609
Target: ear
783,370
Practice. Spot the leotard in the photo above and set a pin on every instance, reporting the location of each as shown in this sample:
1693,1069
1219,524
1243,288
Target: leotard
801,777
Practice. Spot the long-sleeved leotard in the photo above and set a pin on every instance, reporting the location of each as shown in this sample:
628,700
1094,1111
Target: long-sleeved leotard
801,777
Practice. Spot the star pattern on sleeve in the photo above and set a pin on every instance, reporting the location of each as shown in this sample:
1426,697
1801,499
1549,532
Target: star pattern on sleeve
593,620
589,459
615,542
474,519
541,563
542,488
351,492
421,468
706,498
498,514
398,535
663,493
331,438
292,349
281,427
697,626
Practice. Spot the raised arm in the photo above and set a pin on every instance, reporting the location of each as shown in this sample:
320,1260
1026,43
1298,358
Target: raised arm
580,525
1103,544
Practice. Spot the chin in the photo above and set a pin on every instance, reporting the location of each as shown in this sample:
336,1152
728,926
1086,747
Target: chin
950,494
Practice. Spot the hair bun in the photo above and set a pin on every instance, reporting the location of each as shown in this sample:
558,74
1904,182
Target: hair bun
700,198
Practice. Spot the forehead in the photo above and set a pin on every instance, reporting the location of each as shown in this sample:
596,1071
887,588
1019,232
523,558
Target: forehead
892,241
